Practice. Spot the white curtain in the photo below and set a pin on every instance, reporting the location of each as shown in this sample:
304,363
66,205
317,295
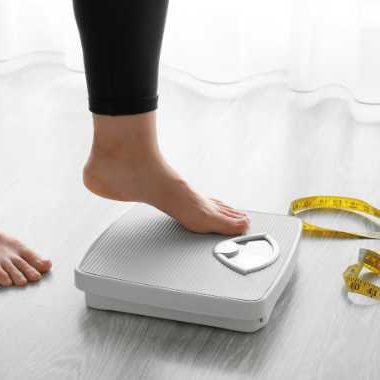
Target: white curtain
324,48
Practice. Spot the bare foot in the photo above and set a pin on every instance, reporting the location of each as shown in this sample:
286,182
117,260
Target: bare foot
18,264
125,164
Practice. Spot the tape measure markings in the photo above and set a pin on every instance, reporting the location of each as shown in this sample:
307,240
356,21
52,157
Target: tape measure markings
368,258
338,203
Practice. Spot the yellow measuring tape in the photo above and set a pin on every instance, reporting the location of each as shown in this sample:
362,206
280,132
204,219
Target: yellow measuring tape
369,259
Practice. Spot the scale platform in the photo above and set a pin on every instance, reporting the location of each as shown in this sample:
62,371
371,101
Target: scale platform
146,263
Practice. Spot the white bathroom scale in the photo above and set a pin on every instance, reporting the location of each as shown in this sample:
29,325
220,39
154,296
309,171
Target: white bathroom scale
146,263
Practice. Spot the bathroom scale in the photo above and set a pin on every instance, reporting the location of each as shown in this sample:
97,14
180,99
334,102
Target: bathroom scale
146,263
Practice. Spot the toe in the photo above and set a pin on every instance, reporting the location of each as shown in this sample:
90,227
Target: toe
232,213
35,261
232,226
26,269
5,280
221,205
17,277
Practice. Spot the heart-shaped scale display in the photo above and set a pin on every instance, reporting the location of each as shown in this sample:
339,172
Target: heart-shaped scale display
248,253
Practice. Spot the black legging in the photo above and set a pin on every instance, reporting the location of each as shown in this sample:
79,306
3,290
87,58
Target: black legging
121,42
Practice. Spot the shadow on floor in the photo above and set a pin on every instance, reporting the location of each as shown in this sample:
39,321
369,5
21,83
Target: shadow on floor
136,341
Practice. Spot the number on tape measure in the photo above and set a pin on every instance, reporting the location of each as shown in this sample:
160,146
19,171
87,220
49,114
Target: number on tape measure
338,203
369,259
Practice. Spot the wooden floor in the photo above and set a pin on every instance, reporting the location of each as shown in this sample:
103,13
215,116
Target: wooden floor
257,151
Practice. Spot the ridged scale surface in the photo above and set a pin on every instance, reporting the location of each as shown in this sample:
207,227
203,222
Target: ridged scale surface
146,246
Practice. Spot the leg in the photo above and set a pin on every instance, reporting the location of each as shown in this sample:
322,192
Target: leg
121,43
18,264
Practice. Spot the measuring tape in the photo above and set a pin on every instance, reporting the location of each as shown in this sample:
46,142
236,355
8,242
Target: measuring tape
369,259
338,203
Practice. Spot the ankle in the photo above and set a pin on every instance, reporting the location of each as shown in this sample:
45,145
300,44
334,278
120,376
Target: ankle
122,175
125,136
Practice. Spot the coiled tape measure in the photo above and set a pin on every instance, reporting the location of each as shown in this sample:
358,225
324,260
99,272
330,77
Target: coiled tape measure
369,259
